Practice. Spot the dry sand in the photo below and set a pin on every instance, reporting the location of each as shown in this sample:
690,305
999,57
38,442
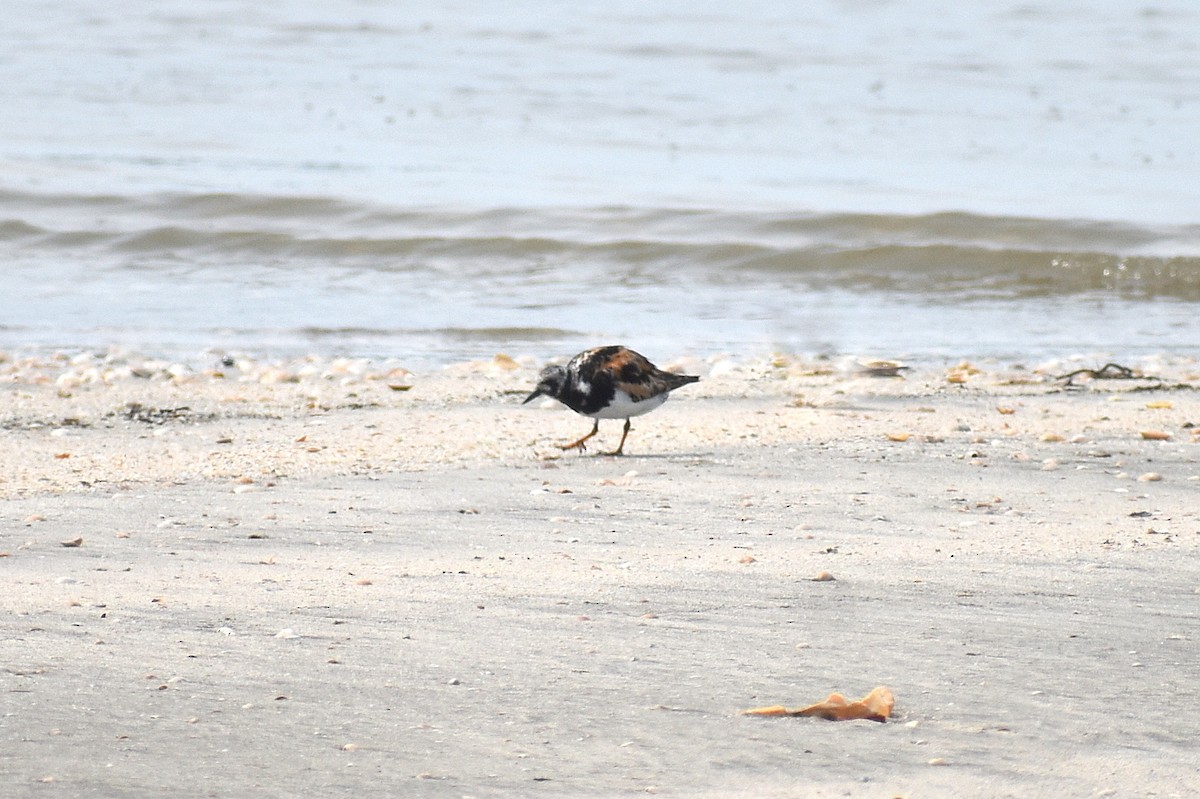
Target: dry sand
306,579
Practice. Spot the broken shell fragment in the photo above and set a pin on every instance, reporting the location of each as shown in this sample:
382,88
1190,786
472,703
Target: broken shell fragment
881,368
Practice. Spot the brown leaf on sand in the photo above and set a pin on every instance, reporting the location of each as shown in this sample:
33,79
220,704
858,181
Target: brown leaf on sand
74,542
875,706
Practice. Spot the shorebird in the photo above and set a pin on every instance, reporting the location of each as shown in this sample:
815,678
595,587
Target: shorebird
608,383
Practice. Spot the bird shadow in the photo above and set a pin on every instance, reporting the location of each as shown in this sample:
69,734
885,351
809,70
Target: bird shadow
633,456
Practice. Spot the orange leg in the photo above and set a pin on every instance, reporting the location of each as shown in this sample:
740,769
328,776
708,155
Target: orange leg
620,447
580,444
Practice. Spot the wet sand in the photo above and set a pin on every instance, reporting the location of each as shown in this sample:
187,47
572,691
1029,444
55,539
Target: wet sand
331,577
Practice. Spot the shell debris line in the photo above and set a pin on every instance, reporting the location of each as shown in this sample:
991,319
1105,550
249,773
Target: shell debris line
225,415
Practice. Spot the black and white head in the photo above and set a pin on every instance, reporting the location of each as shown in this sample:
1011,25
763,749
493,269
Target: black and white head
551,383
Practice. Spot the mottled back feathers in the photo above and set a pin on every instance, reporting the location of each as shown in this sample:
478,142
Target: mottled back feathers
590,381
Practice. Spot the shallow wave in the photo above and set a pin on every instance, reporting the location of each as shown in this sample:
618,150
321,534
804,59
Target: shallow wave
945,255
454,333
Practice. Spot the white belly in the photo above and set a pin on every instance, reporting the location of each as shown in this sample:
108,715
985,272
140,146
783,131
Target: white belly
623,406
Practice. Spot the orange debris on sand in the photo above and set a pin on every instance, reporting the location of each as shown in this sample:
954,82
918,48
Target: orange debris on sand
875,706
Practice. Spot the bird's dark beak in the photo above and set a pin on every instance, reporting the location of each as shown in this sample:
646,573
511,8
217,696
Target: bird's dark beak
537,392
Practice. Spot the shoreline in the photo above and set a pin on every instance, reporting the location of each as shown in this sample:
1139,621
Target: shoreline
334,584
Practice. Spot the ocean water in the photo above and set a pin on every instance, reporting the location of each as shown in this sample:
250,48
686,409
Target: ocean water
440,181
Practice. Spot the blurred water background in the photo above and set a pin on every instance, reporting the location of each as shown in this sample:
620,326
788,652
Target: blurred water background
441,181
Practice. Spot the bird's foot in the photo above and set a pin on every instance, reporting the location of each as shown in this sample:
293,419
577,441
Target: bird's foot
579,443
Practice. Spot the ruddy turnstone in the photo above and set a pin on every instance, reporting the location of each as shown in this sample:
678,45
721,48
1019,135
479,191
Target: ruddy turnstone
608,383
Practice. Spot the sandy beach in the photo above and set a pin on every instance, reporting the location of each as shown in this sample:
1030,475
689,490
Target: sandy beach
330,577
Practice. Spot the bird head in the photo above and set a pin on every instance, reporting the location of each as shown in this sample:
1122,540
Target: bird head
550,383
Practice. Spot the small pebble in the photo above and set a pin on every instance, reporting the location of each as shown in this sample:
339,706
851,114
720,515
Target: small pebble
1149,477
